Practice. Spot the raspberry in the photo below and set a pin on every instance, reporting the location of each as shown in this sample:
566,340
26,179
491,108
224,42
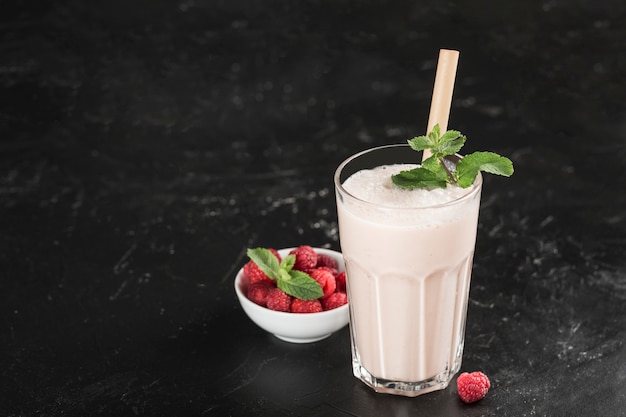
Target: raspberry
257,292
278,300
334,300
325,277
305,306
306,258
472,387
341,281
254,273
327,261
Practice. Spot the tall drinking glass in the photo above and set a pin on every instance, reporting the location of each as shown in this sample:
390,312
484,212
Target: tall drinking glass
408,277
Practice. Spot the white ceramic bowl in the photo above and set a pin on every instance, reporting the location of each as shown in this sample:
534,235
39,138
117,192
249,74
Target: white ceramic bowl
294,327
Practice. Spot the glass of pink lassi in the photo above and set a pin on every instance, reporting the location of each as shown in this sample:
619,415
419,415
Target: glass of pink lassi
408,257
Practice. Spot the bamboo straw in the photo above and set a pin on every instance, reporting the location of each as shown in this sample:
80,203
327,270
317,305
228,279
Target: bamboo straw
442,91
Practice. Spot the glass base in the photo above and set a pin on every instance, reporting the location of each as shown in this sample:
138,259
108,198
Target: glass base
407,389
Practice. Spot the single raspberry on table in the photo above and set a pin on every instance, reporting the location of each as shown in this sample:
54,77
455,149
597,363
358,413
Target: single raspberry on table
305,306
334,300
278,300
255,274
326,278
258,291
340,278
327,261
306,258
472,386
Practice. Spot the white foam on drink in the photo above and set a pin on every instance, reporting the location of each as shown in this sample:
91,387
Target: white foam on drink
375,186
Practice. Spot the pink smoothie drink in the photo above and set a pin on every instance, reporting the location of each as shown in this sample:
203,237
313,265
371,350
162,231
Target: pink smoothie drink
408,256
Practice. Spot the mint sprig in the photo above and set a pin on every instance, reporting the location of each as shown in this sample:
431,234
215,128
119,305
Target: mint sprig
295,283
437,171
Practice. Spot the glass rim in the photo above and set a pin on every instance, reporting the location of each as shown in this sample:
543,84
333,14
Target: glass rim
473,189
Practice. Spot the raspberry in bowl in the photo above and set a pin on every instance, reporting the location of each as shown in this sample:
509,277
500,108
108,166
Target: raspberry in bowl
288,317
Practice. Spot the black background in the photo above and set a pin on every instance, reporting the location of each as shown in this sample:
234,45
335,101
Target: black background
145,145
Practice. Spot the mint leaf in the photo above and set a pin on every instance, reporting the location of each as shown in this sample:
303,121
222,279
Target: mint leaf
435,173
295,283
451,142
450,135
288,262
432,174
467,168
435,134
448,144
419,178
432,164
283,275
301,285
420,143
266,261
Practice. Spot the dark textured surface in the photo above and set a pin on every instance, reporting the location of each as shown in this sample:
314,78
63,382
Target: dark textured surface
144,145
